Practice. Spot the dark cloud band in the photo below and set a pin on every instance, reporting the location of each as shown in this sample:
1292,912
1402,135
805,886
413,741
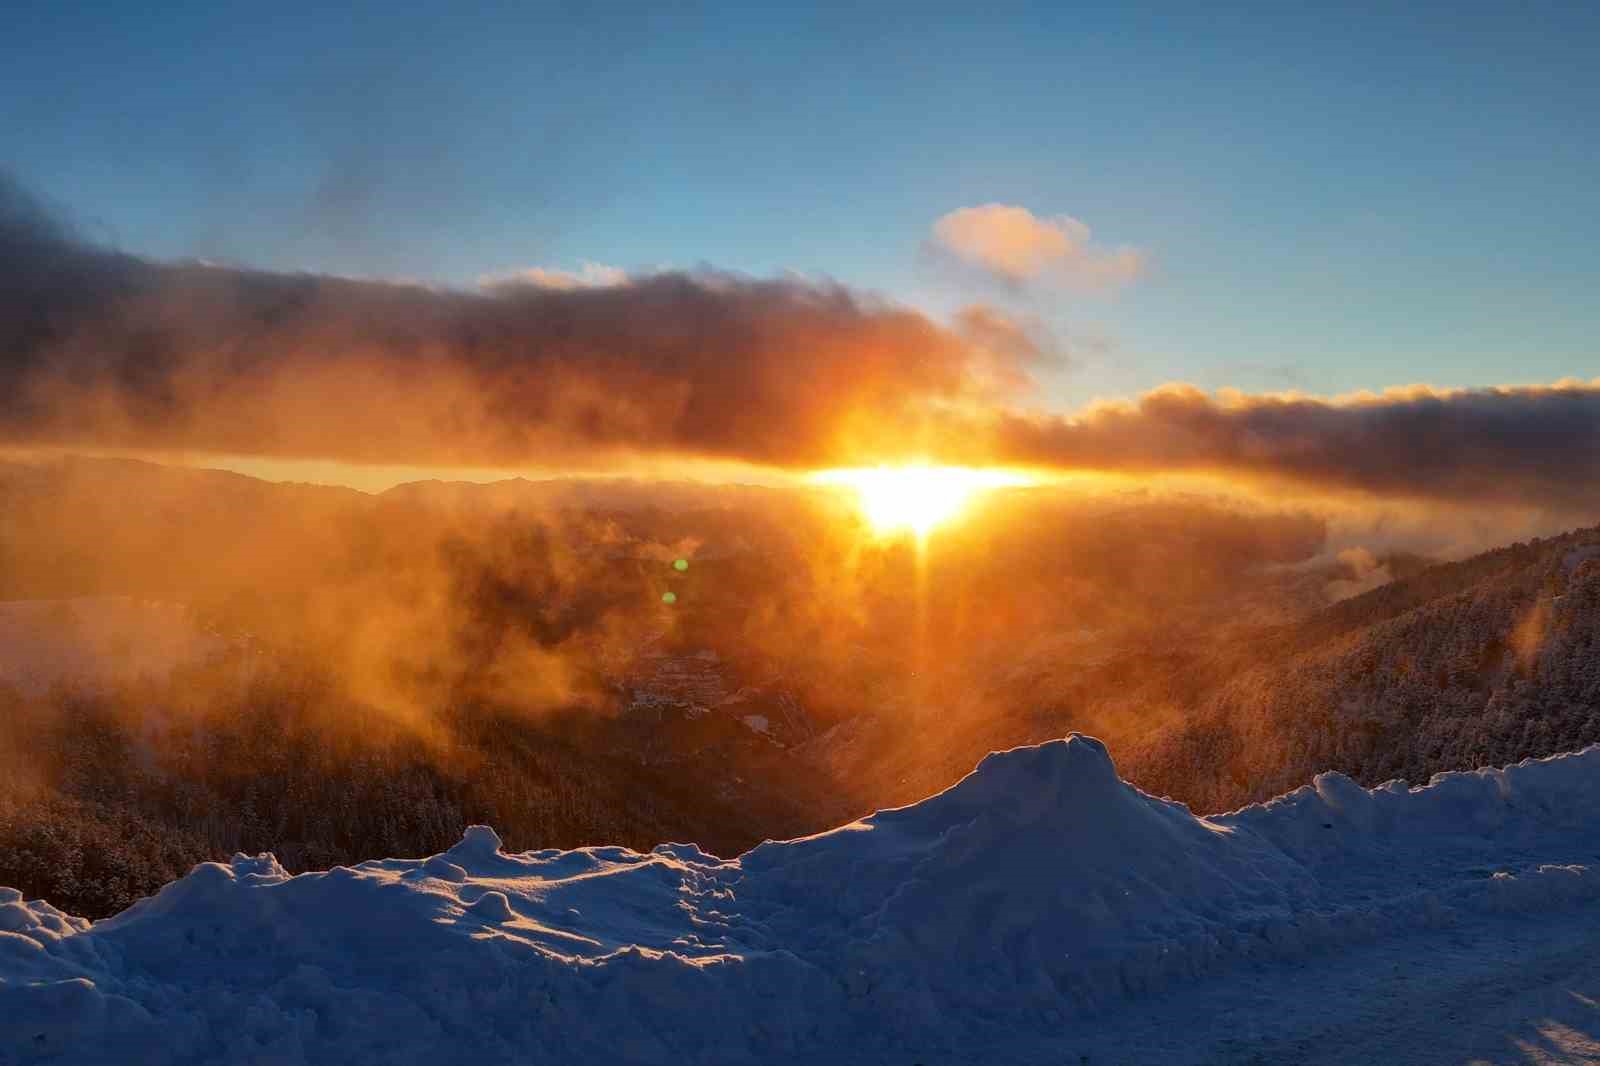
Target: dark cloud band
110,349
104,349
1537,445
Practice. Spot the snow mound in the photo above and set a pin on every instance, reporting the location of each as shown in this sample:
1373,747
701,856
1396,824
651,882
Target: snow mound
1039,876
1036,889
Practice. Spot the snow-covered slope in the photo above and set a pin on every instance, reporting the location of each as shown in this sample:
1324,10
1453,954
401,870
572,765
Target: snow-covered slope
1035,891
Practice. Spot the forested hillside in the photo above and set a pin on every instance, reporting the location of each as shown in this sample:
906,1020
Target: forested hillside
1476,663
108,795
210,663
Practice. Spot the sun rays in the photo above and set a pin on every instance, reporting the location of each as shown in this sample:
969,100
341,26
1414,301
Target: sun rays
916,498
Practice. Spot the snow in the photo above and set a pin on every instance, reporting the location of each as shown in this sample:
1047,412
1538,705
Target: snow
1020,908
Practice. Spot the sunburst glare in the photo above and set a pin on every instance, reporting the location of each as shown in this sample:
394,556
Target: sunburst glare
919,497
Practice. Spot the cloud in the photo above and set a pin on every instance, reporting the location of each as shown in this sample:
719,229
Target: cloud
1003,347
1361,572
1536,445
588,276
1018,247
104,349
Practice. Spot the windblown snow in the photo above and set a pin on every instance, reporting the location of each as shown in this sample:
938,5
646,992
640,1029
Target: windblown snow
1037,890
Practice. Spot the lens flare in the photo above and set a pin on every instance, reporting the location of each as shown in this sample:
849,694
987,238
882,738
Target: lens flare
918,497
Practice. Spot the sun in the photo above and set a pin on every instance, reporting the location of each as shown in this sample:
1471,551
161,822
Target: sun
917,498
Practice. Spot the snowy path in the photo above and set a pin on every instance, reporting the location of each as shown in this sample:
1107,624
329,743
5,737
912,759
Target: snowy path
1516,990
1507,991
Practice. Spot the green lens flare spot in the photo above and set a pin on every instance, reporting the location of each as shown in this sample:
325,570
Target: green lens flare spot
669,597
681,565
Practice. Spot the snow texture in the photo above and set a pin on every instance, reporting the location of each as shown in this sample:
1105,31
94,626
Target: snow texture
1036,891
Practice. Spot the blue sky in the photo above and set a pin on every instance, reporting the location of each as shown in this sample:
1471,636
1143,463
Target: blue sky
1326,198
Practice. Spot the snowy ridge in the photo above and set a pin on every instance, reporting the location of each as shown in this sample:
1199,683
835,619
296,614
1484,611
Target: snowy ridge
1036,890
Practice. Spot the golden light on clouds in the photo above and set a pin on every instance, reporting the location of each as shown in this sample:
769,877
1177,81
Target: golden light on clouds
917,497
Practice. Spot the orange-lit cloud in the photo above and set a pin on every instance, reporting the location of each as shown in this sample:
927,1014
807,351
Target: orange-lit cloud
1003,348
1018,247
105,351
588,276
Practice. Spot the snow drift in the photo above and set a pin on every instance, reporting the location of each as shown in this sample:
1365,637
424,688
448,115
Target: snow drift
1030,894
